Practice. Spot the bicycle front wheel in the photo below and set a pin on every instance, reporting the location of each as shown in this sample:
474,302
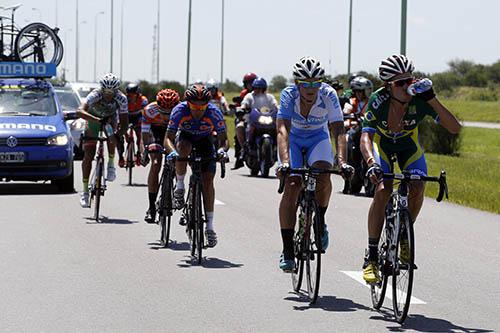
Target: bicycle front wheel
378,290
313,250
98,187
403,265
165,205
199,223
130,161
299,252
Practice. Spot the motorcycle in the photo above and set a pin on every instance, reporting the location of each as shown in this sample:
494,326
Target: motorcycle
262,147
355,159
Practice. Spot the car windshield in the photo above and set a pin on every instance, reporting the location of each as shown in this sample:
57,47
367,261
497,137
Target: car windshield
26,101
68,99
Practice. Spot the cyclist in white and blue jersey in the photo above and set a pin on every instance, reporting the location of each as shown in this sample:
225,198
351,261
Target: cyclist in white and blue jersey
309,112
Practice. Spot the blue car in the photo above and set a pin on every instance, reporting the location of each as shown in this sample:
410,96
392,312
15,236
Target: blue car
35,142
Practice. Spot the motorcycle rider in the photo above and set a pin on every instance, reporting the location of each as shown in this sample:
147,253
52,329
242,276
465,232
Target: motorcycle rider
218,98
361,89
239,139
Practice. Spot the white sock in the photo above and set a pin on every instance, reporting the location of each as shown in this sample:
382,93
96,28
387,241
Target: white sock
210,221
180,182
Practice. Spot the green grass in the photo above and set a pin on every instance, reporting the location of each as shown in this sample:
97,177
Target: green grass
474,110
473,177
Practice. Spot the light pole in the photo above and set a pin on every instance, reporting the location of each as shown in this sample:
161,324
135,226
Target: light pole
95,43
77,47
76,44
158,45
350,36
404,7
57,13
39,12
222,48
66,43
189,44
111,46
121,42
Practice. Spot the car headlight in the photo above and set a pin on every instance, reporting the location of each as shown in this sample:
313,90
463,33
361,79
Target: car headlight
78,125
58,140
265,120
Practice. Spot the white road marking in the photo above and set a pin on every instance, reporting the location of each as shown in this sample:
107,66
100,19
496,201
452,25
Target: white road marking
219,203
358,276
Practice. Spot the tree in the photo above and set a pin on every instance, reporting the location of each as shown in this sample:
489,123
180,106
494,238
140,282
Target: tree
278,83
230,86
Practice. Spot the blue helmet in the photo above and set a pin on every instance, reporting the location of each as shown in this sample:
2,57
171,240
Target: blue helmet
259,83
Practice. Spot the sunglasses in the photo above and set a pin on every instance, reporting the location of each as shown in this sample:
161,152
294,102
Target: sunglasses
196,107
107,91
400,83
307,84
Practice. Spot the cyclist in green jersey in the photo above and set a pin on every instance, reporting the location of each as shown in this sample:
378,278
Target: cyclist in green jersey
390,129
105,104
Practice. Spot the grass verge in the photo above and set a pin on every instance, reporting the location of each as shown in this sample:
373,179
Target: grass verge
474,110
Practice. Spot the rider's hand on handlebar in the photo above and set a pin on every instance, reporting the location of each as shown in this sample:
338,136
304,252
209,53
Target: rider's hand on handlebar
145,157
282,170
346,171
375,173
173,155
222,155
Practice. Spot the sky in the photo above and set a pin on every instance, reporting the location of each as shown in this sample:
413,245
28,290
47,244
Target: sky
266,36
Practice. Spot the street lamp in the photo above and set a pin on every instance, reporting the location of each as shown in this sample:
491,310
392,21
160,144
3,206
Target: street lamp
65,44
403,25
121,43
76,44
39,12
350,35
95,43
111,49
189,44
222,47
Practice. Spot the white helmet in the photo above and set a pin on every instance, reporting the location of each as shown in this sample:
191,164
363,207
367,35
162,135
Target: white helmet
308,68
109,81
361,83
212,84
395,65
199,81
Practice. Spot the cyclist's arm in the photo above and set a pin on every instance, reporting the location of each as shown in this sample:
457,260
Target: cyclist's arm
123,124
366,145
283,128
168,143
146,135
337,131
446,118
82,112
223,140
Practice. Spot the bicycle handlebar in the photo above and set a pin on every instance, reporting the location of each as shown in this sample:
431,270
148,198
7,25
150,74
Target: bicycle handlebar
197,160
304,171
443,186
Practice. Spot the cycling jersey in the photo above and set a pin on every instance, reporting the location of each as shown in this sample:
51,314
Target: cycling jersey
325,110
181,119
100,108
139,104
151,117
404,145
219,101
310,134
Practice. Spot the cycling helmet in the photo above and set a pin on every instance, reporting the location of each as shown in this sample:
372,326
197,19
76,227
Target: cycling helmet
132,88
352,77
335,84
361,83
259,83
109,81
395,65
199,81
197,92
167,99
249,77
308,68
211,84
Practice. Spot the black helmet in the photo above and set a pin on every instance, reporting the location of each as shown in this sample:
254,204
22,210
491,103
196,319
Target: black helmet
132,88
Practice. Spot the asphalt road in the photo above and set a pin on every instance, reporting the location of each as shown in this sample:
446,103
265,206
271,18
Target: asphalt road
62,272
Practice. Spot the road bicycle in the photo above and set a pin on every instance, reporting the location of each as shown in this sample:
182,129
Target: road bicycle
130,160
396,249
308,231
193,213
36,42
164,205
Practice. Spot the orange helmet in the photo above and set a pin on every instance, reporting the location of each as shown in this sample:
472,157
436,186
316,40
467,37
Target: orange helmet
167,98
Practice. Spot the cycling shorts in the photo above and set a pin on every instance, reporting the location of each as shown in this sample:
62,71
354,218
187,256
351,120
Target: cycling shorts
316,147
204,146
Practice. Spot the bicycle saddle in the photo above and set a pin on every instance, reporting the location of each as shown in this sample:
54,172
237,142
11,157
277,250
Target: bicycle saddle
11,7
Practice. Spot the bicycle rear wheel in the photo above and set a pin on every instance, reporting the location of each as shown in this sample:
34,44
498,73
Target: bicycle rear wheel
36,42
402,270
313,249
98,187
378,290
298,248
130,160
165,205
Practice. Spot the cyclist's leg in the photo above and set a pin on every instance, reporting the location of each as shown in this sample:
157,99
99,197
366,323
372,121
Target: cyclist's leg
154,171
89,148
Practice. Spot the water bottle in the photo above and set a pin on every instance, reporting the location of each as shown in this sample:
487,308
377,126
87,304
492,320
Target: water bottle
109,130
419,87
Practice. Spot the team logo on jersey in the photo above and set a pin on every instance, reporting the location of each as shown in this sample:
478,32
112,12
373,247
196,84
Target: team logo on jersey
186,125
204,127
379,100
370,116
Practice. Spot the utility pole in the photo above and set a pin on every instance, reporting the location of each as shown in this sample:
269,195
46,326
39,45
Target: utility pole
222,48
121,42
111,49
158,45
154,77
404,6
76,43
350,37
189,44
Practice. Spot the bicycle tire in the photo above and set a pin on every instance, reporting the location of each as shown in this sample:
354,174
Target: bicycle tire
60,48
130,160
24,51
165,205
190,225
401,297
313,251
98,187
199,223
378,290
298,270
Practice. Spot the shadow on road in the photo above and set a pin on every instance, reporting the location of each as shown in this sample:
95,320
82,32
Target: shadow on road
208,262
172,245
134,185
107,220
259,177
327,303
421,323
29,189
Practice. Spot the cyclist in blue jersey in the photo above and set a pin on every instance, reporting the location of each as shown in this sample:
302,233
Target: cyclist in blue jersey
309,111
191,125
